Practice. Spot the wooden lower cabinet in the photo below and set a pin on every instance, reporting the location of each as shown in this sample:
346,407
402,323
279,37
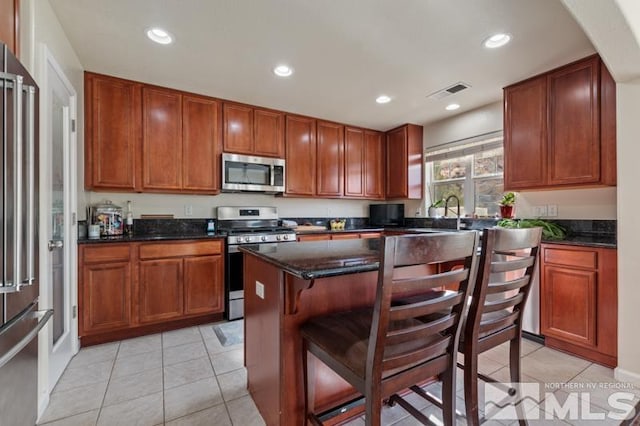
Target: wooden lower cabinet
578,301
131,289
201,294
105,297
160,290
338,236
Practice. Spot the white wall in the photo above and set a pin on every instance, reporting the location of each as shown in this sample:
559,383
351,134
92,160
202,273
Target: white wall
203,205
614,30
588,203
40,27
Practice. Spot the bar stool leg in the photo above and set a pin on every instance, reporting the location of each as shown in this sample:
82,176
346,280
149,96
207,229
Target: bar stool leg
449,395
373,409
471,387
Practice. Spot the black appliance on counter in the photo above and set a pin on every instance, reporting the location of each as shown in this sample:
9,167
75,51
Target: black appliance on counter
386,214
246,225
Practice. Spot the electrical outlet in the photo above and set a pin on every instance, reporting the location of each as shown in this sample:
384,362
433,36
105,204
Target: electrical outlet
259,289
539,211
552,210
188,210
418,211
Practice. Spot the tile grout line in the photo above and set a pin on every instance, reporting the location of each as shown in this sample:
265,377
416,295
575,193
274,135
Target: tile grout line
164,410
215,375
104,397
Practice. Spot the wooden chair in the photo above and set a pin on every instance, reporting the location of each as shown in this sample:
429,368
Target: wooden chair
508,261
386,349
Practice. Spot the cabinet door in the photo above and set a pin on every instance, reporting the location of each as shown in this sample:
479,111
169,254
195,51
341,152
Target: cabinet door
525,139
238,128
330,159
568,311
373,169
397,184
574,124
113,132
268,133
201,144
314,237
346,236
354,170
9,24
105,297
300,141
203,285
162,139
160,290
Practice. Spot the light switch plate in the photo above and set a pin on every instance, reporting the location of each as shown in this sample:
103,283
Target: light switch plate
259,289
552,210
188,210
539,211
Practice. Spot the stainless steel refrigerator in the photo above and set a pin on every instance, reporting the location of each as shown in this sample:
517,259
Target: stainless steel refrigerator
20,319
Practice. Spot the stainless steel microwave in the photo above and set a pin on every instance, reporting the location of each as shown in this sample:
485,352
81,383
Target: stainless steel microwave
249,173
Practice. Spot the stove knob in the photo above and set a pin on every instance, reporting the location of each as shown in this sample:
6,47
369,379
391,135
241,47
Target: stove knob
263,238
239,240
285,237
278,238
247,239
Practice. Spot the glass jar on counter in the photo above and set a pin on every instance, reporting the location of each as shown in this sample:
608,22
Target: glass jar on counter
109,217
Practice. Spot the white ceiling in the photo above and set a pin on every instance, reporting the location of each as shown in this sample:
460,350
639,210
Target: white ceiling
345,53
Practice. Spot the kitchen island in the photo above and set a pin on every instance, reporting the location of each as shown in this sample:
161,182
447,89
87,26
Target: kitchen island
285,285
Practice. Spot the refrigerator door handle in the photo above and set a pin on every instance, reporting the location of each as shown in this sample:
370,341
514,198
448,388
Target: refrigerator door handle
43,317
30,202
17,194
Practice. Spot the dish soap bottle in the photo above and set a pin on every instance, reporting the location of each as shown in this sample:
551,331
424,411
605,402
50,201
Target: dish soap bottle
128,225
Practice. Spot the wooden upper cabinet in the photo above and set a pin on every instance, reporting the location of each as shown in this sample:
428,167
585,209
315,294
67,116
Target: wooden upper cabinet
268,133
354,170
9,26
200,144
329,159
374,167
300,144
525,147
560,128
253,131
404,162
574,124
113,132
238,128
161,139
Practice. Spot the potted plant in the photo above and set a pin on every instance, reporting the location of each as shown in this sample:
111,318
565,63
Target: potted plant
507,205
436,209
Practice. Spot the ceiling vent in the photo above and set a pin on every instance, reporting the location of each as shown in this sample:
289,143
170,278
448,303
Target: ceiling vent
454,88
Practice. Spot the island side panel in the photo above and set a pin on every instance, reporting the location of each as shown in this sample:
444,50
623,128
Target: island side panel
326,295
262,336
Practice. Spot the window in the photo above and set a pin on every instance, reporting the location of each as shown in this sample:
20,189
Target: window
472,170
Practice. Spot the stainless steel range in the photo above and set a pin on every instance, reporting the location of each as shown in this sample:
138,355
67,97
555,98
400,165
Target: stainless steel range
246,225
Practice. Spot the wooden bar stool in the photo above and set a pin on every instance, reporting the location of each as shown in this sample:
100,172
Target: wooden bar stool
508,261
386,349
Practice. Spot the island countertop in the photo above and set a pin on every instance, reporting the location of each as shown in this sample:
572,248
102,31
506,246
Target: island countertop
320,259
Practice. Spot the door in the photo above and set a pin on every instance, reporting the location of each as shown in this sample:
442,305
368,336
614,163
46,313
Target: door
57,217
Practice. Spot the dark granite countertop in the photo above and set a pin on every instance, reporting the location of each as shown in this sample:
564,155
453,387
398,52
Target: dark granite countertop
605,241
319,259
149,237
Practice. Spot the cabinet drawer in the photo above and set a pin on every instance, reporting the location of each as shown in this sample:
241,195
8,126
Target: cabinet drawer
183,248
110,253
577,258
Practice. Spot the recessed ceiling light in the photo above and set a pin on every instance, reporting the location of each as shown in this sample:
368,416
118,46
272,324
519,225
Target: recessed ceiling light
452,107
283,71
497,40
383,99
159,35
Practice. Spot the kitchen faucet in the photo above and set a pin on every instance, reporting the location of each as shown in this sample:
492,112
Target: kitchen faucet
446,209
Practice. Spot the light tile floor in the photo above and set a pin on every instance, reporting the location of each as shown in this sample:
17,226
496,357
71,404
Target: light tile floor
186,377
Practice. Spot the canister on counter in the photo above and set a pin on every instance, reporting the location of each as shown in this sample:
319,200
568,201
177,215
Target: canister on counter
109,217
